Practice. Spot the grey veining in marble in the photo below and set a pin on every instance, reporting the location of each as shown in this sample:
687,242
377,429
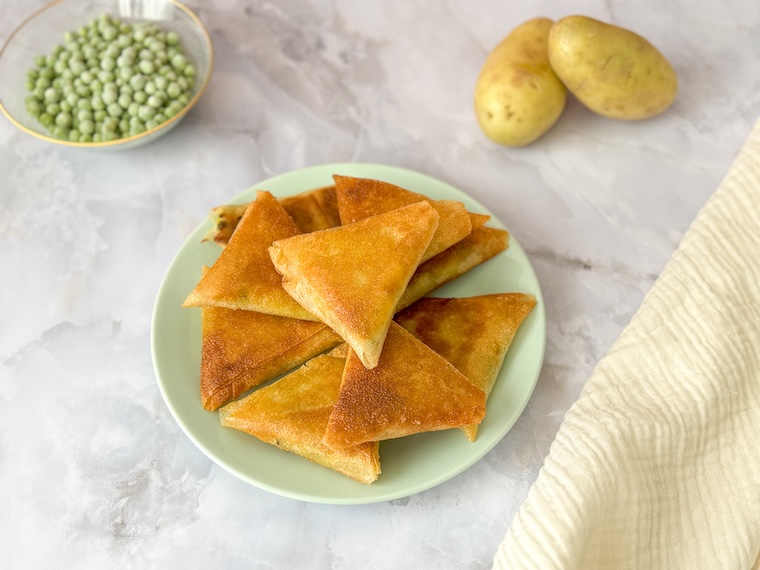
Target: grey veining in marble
94,471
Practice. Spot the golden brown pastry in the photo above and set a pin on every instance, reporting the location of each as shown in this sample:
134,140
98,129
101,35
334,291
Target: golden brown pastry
313,210
360,198
481,245
353,276
477,220
412,390
473,333
243,276
242,349
292,414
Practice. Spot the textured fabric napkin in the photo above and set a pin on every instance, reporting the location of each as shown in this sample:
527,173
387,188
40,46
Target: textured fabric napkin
657,464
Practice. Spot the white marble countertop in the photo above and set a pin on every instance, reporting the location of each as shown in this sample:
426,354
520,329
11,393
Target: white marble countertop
94,471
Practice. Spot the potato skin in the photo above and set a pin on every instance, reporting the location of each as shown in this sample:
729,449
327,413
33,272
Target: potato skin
517,95
611,70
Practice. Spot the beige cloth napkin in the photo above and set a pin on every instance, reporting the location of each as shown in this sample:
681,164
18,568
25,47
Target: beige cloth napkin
657,465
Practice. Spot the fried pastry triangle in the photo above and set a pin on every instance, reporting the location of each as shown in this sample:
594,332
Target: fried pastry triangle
243,276
360,198
352,277
412,390
292,414
473,333
481,245
311,211
242,349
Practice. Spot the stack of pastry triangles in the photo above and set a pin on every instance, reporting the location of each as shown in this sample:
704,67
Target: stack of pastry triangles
330,269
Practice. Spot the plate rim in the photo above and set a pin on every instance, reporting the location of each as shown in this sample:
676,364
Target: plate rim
538,314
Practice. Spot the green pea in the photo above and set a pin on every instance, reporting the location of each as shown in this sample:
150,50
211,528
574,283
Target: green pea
172,38
145,112
140,96
124,100
46,119
134,106
84,104
99,115
155,101
63,119
97,102
30,85
179,62
150,87
86,77
77,67
53,109
34,108
109,97
173,90
189,70
124,125
123,40
39,61
85,138
115,110
150,124
84,115
87,127
106,76
159,118
107,63
67,75
139,35
42,82
96,138
74,135
125,61
39,93
146,66
52,95
60,132
137,82
157,46
59,66
110,124
65,106
126,73
96,86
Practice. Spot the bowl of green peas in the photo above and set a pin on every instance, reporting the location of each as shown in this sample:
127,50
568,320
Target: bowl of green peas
104,74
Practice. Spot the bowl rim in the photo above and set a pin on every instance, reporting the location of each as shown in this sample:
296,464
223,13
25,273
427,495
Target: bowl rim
121,141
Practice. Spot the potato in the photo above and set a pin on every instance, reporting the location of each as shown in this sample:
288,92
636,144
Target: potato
611,70
517,96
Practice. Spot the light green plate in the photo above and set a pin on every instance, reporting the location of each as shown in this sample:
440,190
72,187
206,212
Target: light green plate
410,464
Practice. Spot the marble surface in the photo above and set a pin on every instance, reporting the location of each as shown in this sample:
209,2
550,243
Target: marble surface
94,471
